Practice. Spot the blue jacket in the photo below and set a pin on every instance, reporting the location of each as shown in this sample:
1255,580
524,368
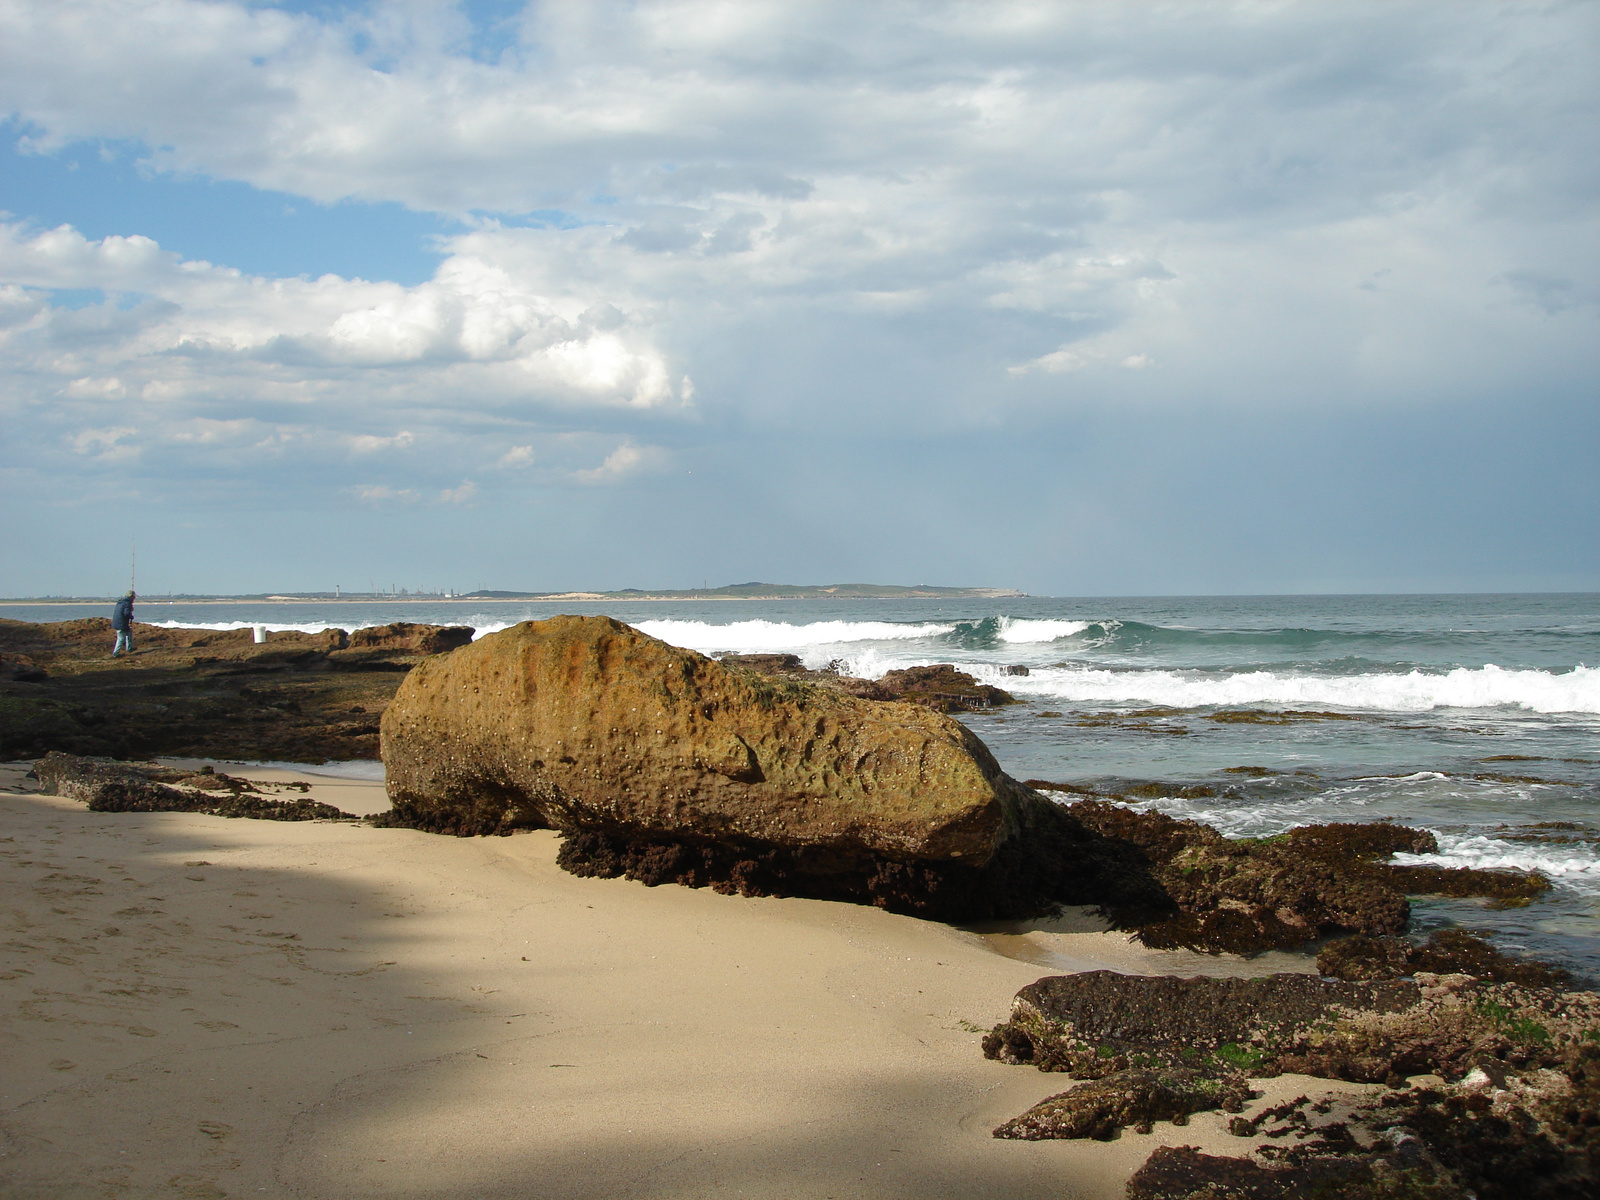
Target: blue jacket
122,614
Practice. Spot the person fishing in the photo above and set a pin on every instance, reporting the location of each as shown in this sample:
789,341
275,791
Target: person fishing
122,622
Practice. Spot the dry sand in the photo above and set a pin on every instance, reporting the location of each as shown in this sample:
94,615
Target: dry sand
202,1007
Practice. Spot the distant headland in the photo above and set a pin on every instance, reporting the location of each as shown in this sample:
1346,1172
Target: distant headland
732,591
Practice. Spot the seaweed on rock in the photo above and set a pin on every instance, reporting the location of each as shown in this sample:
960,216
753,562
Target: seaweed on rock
1446,952
1248,895
106,785
1138,1097
1054,861
1515,1115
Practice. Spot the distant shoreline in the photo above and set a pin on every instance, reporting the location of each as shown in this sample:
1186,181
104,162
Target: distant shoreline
838,592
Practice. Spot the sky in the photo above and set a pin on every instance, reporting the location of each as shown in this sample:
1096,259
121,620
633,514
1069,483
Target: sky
1080,298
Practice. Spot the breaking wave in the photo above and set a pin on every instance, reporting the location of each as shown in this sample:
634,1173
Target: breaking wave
1020,629
1577,690
269,626
1574,867
764,637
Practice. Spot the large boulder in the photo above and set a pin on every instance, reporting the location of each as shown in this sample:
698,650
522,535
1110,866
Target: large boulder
663,764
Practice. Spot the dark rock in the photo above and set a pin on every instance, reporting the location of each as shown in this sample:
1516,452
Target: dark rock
1245,898
1447,952
1137,1097
1057,862
196,692
1495,1135
419,639
768,664
789,666
1184,1173
1263,716
1361,956
1573,1116
33,719
21,669
1518,1117
1248,895
863,689
943,688
1091,1024
1016,669
1508,889
1161,837
109,786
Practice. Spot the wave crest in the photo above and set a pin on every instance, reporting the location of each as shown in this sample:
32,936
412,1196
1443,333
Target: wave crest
1577,690
764,637
1577,869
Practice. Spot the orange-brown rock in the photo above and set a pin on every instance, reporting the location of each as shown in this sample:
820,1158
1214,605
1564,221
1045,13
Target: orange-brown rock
665,764
404,635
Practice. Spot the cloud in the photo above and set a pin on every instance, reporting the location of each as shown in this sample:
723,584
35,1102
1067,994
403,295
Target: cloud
686,228
627,459
707,196
473,324
106,445
109,388
380,493
367,443
1057,362
464,494
316,363
1551,292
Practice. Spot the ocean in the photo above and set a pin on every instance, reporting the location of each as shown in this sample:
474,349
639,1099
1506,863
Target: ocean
1475,716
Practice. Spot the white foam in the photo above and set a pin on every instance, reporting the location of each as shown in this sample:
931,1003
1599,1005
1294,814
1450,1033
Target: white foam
1577,868
480,626
1020,629
771,637
1576,691
269,626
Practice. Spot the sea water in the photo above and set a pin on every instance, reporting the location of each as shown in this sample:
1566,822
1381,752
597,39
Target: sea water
1474,716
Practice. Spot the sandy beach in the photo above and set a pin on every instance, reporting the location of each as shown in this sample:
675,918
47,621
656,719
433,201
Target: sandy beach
203,1007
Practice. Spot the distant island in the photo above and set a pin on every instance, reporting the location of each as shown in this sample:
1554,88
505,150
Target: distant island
732,591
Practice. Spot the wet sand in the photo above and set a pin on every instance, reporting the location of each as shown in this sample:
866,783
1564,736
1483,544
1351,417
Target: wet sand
201,1007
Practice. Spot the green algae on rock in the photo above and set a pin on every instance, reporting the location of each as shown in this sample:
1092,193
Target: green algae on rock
1091,1024
1517,1114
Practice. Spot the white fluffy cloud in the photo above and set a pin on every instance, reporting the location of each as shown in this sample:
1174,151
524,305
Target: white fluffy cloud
685,220
627,459
471,326
188,353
